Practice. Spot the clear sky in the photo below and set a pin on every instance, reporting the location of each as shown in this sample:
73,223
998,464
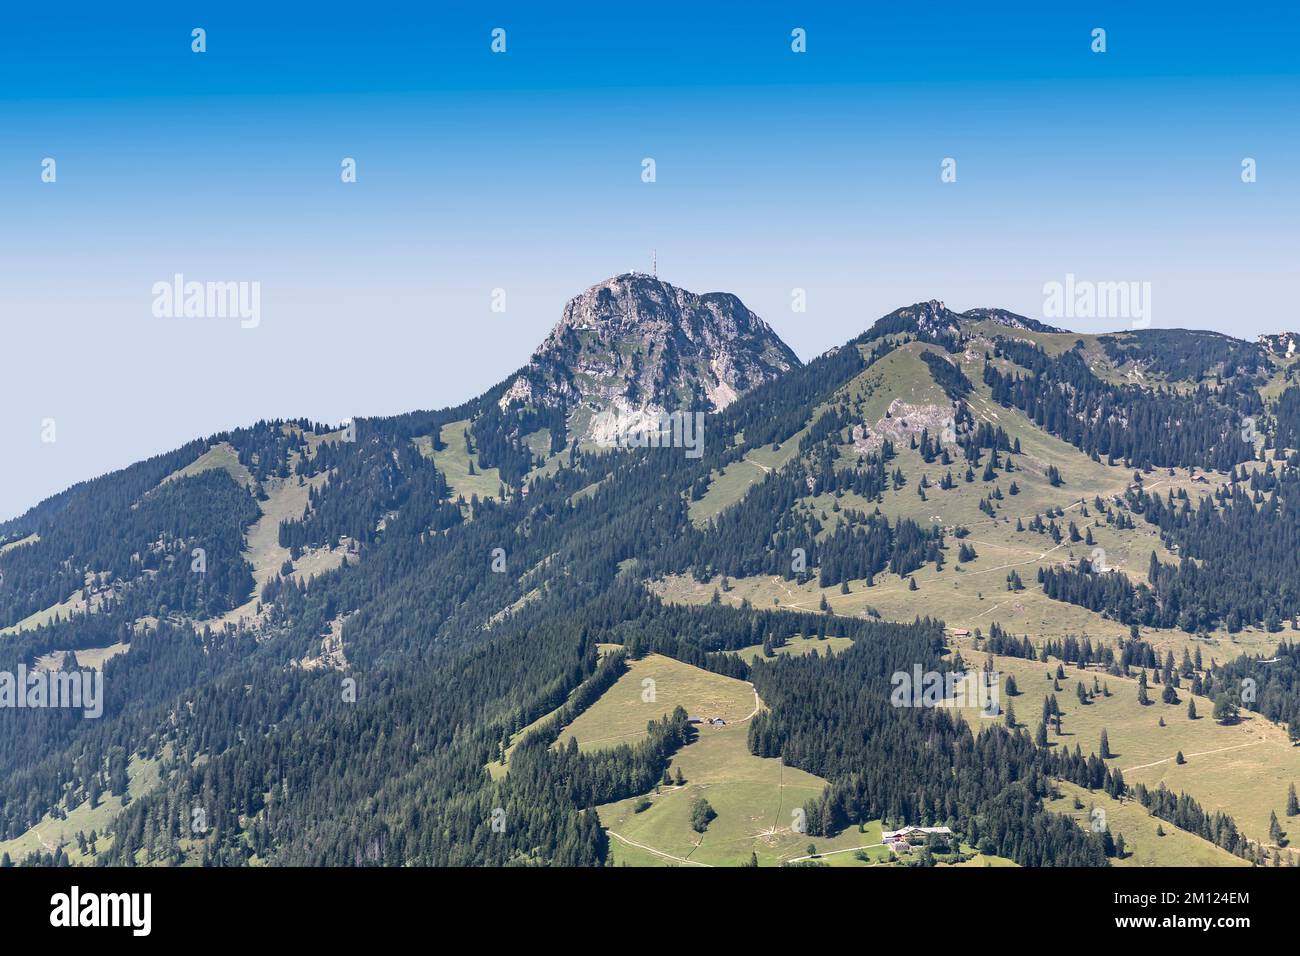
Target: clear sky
522,171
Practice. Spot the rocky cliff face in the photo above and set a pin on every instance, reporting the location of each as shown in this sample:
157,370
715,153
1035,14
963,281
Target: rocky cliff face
1283,343
634,347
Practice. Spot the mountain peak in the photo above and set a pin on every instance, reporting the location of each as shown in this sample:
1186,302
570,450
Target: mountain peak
933,317
637,343
636,300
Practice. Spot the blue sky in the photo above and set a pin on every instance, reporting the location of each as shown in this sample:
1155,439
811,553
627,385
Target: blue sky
522,171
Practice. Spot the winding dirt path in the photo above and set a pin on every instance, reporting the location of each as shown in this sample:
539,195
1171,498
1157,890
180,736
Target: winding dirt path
660,853
1203,753
852,849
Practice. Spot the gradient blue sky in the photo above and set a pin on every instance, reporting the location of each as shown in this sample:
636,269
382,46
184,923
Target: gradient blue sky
522,171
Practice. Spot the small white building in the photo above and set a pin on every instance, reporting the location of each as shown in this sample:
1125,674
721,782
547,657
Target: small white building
897,839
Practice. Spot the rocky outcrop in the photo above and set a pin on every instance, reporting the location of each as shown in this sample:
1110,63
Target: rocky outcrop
636,345
1282,344
935,319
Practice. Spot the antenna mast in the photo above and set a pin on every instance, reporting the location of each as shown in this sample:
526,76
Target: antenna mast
654,263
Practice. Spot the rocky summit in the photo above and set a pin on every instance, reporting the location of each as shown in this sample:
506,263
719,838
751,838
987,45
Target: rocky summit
635,346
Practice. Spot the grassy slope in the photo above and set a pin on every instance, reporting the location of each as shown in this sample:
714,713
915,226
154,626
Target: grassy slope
19,542
1249,780
1142,845
729,486
49,834
1243,769
798,647
79,602
454,461
93,657
286,499
621,714
221,455
901,374
976,595
755,798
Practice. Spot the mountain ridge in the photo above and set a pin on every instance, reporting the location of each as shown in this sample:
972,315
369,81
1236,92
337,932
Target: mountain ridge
531,382
475,569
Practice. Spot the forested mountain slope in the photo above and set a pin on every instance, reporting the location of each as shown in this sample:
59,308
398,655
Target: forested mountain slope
327,637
